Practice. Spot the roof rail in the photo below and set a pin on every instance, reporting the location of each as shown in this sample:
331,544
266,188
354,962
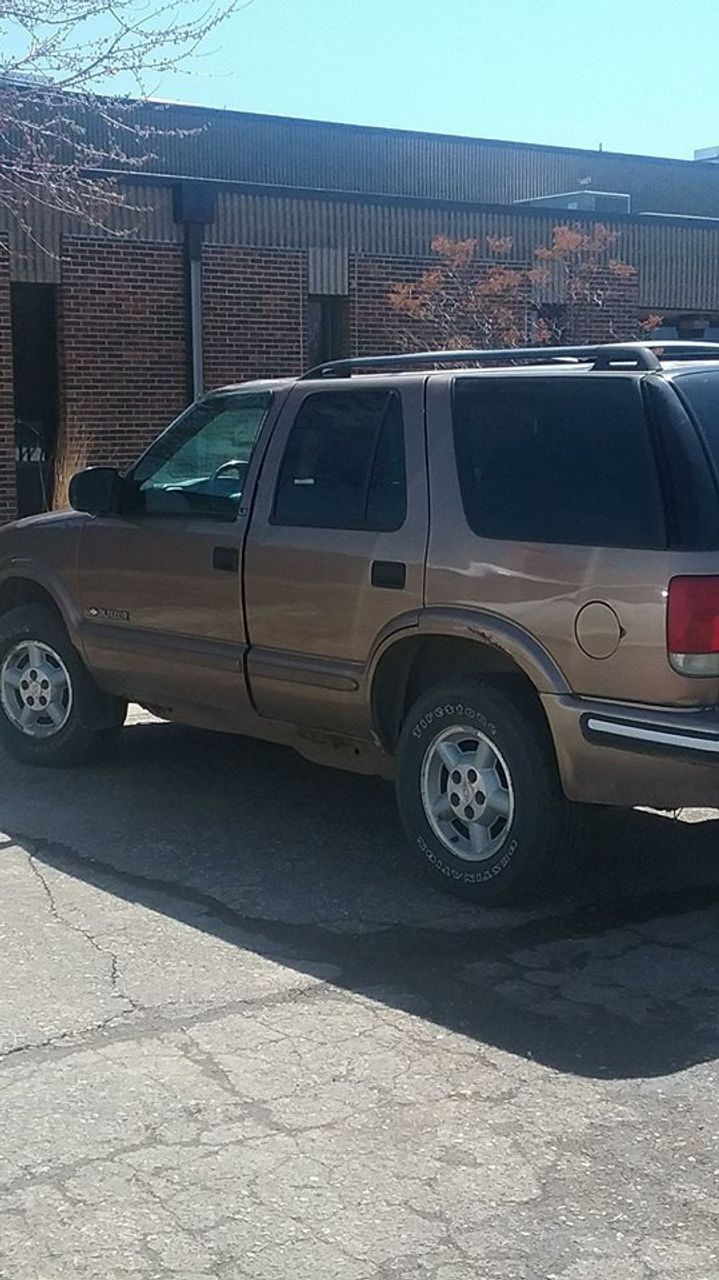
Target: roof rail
637,355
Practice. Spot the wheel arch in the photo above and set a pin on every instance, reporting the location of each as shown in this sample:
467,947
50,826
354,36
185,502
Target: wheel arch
455,643
23,588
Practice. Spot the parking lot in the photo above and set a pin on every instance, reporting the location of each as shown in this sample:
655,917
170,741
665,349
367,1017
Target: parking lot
239,1037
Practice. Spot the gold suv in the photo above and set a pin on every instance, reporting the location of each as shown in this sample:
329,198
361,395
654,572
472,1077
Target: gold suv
493,575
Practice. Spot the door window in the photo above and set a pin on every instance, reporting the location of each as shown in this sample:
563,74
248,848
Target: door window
344,465
199,465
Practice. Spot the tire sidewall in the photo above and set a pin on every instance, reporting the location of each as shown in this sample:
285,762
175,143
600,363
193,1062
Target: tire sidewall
521,857
74,740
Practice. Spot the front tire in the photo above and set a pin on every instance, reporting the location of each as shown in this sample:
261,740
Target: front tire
479,793
51,710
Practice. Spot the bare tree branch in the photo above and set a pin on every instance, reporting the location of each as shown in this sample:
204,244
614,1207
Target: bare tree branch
54,129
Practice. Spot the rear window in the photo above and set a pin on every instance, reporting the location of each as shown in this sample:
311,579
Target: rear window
700,392
557,460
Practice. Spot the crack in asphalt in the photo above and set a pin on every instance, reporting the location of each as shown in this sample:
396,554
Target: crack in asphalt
106,952
148,1023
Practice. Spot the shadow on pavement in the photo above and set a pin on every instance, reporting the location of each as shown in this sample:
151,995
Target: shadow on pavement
308,866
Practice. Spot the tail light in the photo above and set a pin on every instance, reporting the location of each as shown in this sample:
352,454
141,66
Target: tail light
693,626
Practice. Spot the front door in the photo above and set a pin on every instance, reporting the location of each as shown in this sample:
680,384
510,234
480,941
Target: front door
160,584
336,548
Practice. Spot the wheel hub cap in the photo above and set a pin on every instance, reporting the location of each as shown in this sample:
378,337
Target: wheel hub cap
467,793
35,689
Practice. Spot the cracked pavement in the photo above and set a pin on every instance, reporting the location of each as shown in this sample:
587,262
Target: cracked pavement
240,1037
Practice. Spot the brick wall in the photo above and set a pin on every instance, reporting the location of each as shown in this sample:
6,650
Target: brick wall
616,319
253,312
8,495
123,348
122,345
374,326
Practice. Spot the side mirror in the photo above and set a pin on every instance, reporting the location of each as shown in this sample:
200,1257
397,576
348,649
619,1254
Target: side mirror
96,491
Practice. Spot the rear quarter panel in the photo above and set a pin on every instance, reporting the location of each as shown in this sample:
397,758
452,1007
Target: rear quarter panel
542,588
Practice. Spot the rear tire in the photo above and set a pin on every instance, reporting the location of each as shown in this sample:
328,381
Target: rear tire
479,793
51,710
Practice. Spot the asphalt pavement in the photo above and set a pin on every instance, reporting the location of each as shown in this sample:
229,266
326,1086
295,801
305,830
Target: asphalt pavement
240,1036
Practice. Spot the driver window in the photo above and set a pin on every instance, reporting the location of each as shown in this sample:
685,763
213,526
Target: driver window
198,466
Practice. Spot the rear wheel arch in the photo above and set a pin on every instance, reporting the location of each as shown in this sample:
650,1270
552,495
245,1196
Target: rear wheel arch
411,666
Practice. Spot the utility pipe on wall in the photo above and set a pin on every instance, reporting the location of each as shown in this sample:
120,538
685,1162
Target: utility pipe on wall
194,207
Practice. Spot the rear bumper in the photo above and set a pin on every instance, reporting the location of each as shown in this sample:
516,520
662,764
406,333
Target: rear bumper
616,753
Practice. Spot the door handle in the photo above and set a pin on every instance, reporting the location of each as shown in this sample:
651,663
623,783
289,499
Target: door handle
391,574
226,559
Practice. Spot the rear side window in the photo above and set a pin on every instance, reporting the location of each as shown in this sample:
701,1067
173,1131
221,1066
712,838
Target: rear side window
557,460
343,467
701,392
690,488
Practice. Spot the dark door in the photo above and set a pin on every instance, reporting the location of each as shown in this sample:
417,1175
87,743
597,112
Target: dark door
34,342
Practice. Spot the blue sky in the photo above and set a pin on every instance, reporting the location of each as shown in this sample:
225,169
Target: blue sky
634,75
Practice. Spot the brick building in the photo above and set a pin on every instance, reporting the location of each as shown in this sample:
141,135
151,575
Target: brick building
255,245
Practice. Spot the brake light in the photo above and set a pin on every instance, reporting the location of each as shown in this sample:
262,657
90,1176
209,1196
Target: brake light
693,625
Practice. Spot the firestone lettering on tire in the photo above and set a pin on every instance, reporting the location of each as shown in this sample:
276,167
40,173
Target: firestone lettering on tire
439,713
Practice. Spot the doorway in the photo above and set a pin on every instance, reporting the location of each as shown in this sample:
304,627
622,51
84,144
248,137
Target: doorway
34,339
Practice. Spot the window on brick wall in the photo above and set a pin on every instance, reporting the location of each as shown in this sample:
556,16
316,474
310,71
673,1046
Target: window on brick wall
328,328
549,322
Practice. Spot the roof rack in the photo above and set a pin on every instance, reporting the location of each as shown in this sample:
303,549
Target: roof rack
635,355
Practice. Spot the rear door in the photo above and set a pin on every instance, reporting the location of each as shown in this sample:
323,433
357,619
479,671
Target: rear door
336,548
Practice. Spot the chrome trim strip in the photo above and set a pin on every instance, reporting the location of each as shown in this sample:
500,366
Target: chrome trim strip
664,737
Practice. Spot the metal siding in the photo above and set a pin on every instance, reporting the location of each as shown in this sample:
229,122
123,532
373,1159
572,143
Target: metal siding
236,146
302,153
678,264
328,271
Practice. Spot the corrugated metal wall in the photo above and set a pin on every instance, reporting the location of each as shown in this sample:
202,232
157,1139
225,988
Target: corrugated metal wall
266,149
327,271
678,264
